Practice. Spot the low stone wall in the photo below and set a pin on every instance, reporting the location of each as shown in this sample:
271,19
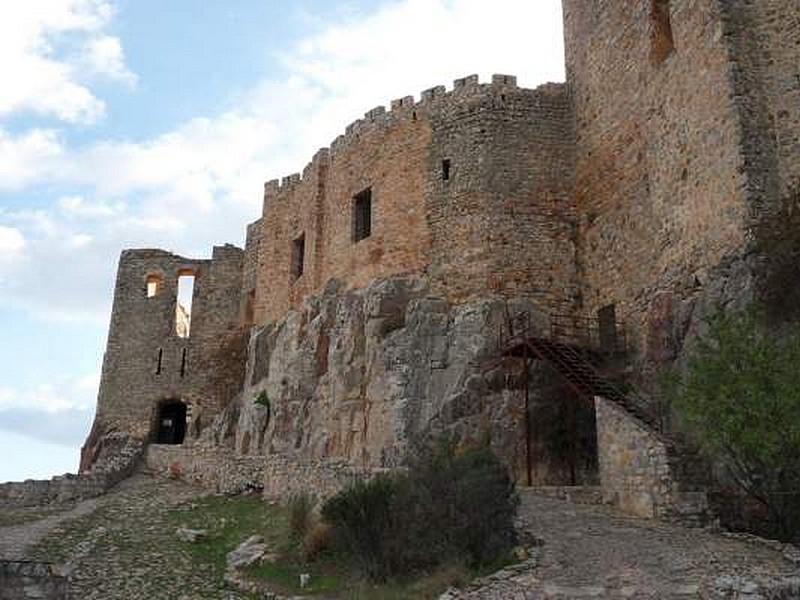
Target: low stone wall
63,488
216,468
634,464
23,580
118,460
287,476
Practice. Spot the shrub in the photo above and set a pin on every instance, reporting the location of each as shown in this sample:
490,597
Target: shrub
300,515
361,518
447,509
741,393
316,540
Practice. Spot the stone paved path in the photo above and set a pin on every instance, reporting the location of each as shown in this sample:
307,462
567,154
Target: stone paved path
593,552
17,540
121,546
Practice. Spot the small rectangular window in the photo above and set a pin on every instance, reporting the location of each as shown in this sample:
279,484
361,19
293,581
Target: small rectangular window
298,256
362,215
153,285
446,169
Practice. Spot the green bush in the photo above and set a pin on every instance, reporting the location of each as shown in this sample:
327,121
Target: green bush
447,508
741,393
361,519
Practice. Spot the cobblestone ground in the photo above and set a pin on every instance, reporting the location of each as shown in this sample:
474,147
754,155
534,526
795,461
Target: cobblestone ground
120,546
593,552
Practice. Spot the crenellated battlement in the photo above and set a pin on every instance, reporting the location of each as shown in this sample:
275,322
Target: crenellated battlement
465,92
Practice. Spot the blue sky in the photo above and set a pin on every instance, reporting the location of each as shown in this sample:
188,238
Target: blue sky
154,123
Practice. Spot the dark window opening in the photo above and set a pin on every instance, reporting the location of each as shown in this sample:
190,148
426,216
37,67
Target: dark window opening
183,305
607,324
446,169
183,362
158,363
171,424
362,215
298,256
661,41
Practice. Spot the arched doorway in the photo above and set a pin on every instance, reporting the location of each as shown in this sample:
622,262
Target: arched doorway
171,422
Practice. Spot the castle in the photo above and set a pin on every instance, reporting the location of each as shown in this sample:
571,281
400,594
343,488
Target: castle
372,306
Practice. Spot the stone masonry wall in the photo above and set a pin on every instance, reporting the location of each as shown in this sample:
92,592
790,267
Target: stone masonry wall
204,370
500,223
765,76
286,477
634,465
659,181
25,580
214,467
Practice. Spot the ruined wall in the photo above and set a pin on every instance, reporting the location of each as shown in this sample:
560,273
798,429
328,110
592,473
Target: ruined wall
498,222
659,183
28,580
146,362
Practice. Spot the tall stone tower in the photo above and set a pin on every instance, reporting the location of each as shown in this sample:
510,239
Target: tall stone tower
169,369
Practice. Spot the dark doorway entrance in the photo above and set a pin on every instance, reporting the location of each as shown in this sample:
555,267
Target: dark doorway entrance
171,424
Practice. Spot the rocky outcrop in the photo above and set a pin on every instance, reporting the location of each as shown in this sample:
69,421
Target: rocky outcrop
364,378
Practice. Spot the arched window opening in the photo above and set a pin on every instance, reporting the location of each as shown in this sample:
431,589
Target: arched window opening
153,285
183,307
171,423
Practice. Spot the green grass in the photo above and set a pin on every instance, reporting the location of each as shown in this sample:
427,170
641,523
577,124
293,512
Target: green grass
231,520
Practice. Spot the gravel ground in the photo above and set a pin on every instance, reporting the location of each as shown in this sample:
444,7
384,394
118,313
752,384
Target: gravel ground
594,552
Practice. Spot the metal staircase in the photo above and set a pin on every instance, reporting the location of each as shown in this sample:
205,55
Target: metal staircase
578,349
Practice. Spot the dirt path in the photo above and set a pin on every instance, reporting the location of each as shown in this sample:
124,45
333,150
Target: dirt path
593,552
17,540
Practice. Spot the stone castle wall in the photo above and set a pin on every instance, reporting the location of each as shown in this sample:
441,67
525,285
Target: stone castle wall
659,184
498,222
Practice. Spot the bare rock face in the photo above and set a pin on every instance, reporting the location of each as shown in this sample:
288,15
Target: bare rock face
367,376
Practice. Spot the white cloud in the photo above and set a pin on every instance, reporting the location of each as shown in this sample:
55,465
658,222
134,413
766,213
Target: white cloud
28,157
45,46
199,183
11,241
104,56
61,396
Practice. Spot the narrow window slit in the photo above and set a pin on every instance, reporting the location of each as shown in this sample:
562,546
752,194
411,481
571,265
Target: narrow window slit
183,362
159,361
298,256
362,215
446,169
